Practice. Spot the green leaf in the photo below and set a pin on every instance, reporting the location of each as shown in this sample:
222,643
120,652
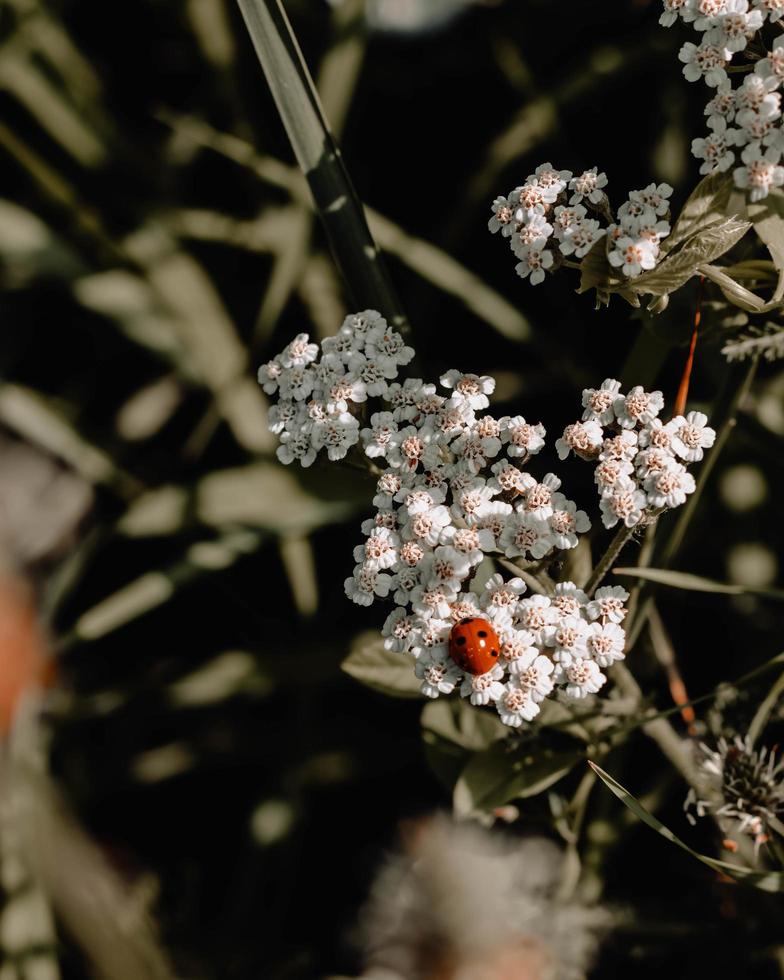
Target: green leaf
706,205
767,217
503,773
768,881
696,583
597,273
458,721
703,247
384,671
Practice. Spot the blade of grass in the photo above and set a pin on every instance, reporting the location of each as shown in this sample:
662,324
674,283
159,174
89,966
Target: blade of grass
768,881
319,158
696,583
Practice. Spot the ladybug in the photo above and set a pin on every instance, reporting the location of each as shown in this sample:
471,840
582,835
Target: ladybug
474,645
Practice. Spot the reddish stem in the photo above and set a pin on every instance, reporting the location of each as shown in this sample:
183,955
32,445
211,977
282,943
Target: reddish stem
683,389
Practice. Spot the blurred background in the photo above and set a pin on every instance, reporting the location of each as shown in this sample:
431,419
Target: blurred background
155,247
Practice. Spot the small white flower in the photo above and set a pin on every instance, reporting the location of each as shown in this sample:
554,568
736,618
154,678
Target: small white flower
535,614
404,582
536,677
622,447
654,196
656,434
532,227
537,501
530,195
568,599
296,447
380,550
773,8
376,439
502,593
286,414
507,478
299,353
547,176
518,649
691,436
420,498
483,688
297,383
525,536
398,630
469,500
446,566
669,487
582,678
757,94
387,347
566,522
589,185
605,643
433,601
715,148
426,526
371,373
534,260
410,448
516,705
608,604
269,374
388,485
345,391
469,389
567,218
492,517
472,542
724,103
639,407
365,584
338,434
568,638
584,439
473,451
624,502
761,171
611,472
581,237
633,256
735,26
503,216
438,673
706,61
672,10
773,65
653,460
521,438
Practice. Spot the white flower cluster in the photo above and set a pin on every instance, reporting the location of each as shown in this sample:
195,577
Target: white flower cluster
746,119
319,395
641,461
546,221
454,490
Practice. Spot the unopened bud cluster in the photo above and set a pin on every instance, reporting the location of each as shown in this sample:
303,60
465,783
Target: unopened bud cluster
746,119
641,461
546,221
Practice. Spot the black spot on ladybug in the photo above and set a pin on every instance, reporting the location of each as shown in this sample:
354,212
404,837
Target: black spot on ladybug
465,622
481,633
460,641
493,653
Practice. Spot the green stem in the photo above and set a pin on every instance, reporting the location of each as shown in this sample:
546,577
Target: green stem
608,558
319,158
762,713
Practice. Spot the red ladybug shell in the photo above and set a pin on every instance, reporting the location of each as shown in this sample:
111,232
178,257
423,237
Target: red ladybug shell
474,645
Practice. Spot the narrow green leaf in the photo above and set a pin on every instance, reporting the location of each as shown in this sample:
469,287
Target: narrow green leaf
696,583
768,881
384,671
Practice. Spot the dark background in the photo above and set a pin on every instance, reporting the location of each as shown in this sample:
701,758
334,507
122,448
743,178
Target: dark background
578,84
